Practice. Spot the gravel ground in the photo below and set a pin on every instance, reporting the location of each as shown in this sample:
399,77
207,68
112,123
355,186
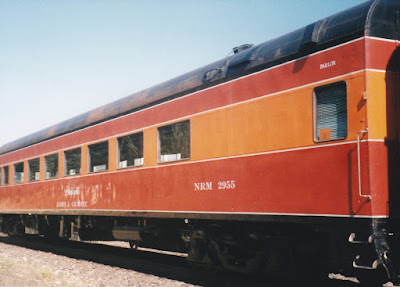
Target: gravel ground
25,263
20,266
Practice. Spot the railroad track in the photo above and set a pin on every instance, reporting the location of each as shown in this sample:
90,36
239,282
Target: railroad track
161,265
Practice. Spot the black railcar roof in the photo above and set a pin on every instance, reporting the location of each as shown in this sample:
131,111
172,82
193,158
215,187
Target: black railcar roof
373,18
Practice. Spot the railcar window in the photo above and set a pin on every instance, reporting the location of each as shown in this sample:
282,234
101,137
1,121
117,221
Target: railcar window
5,175
330,112
51,166
34,169
72,162
174,142
98,157
130,150
19,172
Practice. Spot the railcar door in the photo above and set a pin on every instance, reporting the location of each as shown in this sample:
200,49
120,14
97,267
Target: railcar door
392,140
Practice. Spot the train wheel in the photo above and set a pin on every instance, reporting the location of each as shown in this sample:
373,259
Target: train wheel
15,227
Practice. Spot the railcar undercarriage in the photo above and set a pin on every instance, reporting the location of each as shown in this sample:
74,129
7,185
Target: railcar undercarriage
270,248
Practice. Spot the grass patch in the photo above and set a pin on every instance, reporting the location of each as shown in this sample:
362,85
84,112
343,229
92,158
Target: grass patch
44,273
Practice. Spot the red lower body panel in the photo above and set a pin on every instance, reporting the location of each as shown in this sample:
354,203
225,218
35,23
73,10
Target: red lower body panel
310,181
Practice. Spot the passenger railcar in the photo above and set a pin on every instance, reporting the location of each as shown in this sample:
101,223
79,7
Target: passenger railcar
282,157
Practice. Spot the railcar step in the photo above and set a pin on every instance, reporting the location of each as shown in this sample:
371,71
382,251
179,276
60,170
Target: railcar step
353,239
374,265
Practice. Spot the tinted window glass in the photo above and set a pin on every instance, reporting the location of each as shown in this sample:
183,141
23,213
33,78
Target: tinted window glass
72,160
98,157
51,166
174,142
34,170
5,175
19,172
130,150
330,112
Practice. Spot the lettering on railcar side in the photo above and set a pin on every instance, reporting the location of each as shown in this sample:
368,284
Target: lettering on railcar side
71,191
79,204
221,185
203,186
72,203
227,184
327,65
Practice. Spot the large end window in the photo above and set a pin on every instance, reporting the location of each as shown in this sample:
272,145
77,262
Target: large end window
330,112
174,142
34,169
72,161
5,175
130,150
19,172
51,166
98,157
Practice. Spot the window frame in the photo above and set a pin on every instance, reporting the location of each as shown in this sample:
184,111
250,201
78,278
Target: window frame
159,161
45,166
65,162
29,170
119,151
89,158
8,175
22,180
315,91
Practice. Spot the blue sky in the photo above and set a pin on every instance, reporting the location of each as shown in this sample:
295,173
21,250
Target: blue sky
59,59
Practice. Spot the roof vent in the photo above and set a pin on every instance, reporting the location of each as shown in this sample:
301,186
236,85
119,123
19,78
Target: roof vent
242,48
